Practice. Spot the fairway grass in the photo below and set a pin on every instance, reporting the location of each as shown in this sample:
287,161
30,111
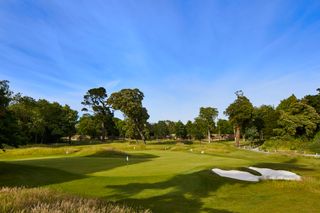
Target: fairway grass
167,177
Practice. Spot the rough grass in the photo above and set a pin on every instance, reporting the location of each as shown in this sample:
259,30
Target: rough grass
46,201
295,145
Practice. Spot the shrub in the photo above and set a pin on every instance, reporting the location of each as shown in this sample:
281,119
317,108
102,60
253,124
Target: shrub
252,133
316,138
285,144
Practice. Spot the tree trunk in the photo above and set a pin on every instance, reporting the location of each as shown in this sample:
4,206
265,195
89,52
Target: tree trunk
103,131
261,135
209,136
42,137
237,137
142,136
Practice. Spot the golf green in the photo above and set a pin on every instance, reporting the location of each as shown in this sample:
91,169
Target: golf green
166,178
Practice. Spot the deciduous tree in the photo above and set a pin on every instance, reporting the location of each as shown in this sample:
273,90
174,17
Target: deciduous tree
160,129
88,126
240,114
9,129
297,118
265,120
224,127
96,100
208,115
181,131
313,100
129,102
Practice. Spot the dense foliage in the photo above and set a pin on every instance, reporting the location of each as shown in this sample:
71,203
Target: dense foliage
129,102
297,119
313,100
96,100
208,116
240,113
43,122
26,120
9,129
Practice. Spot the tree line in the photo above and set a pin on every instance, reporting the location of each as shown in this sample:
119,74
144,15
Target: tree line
25,120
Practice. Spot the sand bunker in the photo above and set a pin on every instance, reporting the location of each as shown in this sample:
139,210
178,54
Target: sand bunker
235,174
266,174
270,174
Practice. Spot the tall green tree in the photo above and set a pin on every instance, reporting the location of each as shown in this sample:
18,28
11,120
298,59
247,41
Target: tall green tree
9,129
129,102
160,130
55,120
297,119
199,129
95,101
240,114
189,129
120,127
171,127
28,117
265,120
69,121
5,95
131,130
41,121
287,103
181,131
224,127
313,100
208,115
88,125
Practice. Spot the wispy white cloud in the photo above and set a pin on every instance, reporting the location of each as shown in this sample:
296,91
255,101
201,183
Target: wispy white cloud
182,55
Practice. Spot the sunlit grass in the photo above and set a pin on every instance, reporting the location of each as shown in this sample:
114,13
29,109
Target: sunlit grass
165,177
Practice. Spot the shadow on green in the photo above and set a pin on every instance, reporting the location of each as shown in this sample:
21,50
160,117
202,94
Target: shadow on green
185,191
185,196
112,153
32,176
42,172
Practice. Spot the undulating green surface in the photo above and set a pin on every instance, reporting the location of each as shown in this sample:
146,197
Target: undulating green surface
167,177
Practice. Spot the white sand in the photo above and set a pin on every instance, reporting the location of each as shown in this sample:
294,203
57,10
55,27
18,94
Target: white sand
270,174
266,174
238,175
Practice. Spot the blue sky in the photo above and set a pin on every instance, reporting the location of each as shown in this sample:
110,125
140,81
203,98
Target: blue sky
181,54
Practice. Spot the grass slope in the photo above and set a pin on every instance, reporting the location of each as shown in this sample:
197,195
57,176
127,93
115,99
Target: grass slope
166,177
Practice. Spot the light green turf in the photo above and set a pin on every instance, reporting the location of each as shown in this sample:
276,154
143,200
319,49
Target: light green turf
166,178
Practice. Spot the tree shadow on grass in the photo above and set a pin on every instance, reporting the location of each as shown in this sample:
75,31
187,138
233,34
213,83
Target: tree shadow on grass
113,153
32,176
183,193
41,172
